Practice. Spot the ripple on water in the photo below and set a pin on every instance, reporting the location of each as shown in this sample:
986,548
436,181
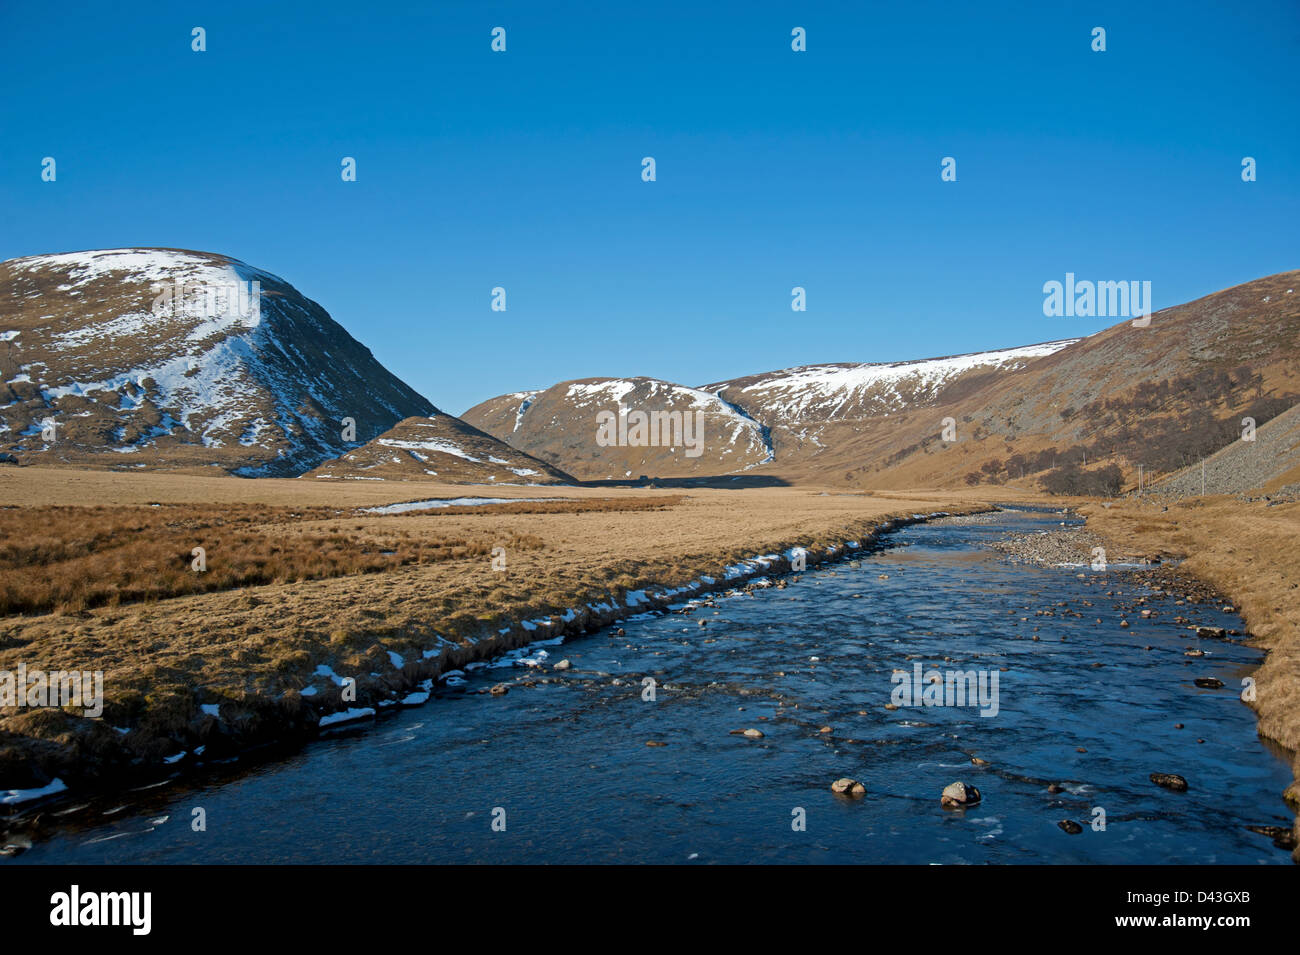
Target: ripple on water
566,757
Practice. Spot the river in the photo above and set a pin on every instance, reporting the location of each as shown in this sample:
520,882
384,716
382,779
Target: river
560,771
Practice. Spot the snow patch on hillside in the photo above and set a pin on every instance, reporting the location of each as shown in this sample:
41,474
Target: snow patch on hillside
440,445
825,390
652,394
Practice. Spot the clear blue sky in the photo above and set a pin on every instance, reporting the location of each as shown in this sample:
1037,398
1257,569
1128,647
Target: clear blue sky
775,168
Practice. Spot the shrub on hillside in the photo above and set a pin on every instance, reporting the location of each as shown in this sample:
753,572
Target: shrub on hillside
1072,479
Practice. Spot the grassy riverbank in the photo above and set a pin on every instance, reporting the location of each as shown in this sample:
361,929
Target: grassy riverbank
304,585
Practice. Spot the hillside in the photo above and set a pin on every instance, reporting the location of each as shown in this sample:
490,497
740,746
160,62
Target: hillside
1162,396
773,422
164,358
812,408
443,448
1269,463
700,433
812,394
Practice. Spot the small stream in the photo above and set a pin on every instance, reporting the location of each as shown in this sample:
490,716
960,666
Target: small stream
1087,707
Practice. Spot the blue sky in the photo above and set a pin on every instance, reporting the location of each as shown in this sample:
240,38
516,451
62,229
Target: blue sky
775,169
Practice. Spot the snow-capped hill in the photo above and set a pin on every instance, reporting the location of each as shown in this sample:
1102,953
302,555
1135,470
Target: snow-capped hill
173,358
813,394
443,449
593,429
782,419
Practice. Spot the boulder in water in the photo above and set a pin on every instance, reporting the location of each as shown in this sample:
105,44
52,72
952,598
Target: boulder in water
959,794
1170,781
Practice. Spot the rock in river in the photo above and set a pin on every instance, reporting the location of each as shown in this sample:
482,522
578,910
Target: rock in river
1070,826
959,794
1170,781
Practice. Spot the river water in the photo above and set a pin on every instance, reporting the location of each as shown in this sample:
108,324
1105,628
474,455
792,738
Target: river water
565,767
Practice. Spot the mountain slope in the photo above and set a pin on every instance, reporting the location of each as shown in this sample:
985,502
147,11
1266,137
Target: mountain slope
1162,396
771,421
697,434
166,358
812,407
441,447
1269,462
815,393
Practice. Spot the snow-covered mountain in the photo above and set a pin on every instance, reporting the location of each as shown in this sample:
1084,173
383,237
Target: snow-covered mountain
173,358
687,431
812,394
773,418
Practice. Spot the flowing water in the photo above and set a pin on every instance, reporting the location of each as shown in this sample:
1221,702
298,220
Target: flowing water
565,764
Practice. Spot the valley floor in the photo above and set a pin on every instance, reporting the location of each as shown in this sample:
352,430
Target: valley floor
325,588
336,591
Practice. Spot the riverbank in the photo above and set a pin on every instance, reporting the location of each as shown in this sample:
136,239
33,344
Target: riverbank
199,677
1228,550
589,767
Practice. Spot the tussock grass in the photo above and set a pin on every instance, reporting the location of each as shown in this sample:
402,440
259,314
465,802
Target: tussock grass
71,559
251,651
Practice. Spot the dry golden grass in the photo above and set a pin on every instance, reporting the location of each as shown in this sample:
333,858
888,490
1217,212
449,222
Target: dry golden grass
258,642
70,559
253,646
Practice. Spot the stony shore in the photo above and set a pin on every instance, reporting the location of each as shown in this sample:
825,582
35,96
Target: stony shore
1229,552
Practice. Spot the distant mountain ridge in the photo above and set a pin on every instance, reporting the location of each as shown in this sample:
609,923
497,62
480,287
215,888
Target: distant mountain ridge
1160,395
562,424
752,421
168,358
